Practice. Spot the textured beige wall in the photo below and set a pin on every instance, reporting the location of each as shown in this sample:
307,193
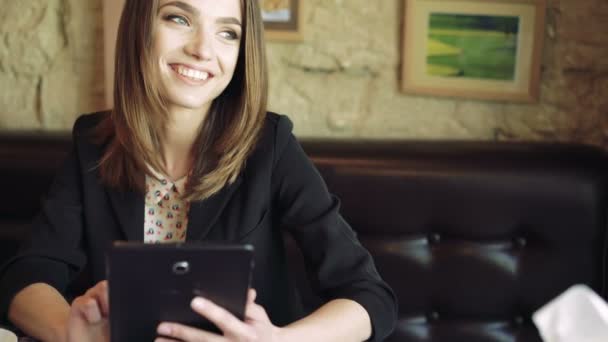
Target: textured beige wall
50,62
340,81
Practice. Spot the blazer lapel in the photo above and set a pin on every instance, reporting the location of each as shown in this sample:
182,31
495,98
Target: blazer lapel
203,214
129,209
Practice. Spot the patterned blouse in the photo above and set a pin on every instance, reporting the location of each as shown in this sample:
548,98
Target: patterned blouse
166,213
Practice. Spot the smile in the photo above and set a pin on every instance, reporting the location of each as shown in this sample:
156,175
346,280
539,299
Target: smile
195,75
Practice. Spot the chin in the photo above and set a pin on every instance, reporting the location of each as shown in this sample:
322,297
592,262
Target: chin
192,102
190,105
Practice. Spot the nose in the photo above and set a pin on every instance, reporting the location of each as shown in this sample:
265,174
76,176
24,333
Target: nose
200,45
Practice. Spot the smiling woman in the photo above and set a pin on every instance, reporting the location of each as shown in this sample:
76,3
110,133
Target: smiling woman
190,153
194,40
210,40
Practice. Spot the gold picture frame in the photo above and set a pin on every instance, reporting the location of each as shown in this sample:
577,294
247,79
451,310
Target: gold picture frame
282,19
479,49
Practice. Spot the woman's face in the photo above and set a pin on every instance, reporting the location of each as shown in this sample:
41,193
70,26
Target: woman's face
196,44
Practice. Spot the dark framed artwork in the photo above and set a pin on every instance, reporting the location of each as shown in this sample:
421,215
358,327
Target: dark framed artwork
282,19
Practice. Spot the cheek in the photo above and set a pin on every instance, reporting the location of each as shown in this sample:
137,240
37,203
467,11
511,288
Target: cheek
235,60
229,57
164,43
230,63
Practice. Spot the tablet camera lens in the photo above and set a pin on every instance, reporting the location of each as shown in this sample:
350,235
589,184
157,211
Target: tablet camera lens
181,267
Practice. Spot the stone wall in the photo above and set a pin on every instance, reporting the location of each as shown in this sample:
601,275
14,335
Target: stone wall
51,57
340,81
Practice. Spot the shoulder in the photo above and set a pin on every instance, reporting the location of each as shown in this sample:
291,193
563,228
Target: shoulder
278,121
86,137
276,135
86,124
278,126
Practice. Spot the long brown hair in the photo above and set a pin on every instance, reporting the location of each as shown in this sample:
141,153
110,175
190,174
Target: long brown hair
230,130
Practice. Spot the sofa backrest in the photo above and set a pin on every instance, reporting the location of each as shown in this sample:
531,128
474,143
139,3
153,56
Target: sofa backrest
28,162
472,236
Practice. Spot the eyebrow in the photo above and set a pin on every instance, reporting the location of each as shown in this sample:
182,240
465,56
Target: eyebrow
229,21
184,6
195,12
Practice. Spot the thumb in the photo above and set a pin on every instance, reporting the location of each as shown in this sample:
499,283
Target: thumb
251,295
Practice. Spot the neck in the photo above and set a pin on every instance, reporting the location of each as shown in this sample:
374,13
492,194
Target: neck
179,136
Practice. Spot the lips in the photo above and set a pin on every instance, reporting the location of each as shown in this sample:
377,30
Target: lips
191,73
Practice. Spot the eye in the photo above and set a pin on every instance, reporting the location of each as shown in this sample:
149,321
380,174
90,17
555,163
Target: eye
178,19
229,34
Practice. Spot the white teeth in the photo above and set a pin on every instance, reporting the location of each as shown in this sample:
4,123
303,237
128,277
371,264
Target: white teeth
193,74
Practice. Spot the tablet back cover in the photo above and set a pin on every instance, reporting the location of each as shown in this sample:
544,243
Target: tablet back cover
149,284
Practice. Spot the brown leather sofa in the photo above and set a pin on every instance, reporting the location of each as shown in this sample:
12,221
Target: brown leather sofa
472,236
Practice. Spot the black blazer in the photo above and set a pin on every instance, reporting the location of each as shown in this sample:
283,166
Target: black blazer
278,190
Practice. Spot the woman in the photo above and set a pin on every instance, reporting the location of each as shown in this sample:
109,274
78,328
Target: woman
190,135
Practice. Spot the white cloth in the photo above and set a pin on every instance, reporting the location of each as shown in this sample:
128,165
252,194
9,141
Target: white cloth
7,336
577,315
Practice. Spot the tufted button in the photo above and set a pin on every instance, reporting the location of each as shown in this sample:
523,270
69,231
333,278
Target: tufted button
521,242
434,238
518,320
433,316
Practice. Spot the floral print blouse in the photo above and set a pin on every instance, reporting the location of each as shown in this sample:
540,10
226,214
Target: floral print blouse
166,213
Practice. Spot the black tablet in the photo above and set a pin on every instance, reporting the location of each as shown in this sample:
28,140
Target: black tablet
152,283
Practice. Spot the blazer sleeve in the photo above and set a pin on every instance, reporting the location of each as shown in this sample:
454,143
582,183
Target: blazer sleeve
338,265
53,254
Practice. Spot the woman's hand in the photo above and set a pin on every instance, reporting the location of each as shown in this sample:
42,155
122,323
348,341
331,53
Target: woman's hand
256,327
88,320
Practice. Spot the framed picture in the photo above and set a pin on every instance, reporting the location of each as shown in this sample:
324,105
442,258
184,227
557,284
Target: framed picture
481,49
282,19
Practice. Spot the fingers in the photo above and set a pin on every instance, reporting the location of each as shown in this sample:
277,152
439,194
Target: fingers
104,298
222,318
254,311
251,295
100,293
231,326
87,308
225,321
184,333
93,305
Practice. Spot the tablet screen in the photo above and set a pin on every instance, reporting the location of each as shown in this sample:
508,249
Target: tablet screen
152,283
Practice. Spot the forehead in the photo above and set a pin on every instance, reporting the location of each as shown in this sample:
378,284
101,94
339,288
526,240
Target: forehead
208,8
